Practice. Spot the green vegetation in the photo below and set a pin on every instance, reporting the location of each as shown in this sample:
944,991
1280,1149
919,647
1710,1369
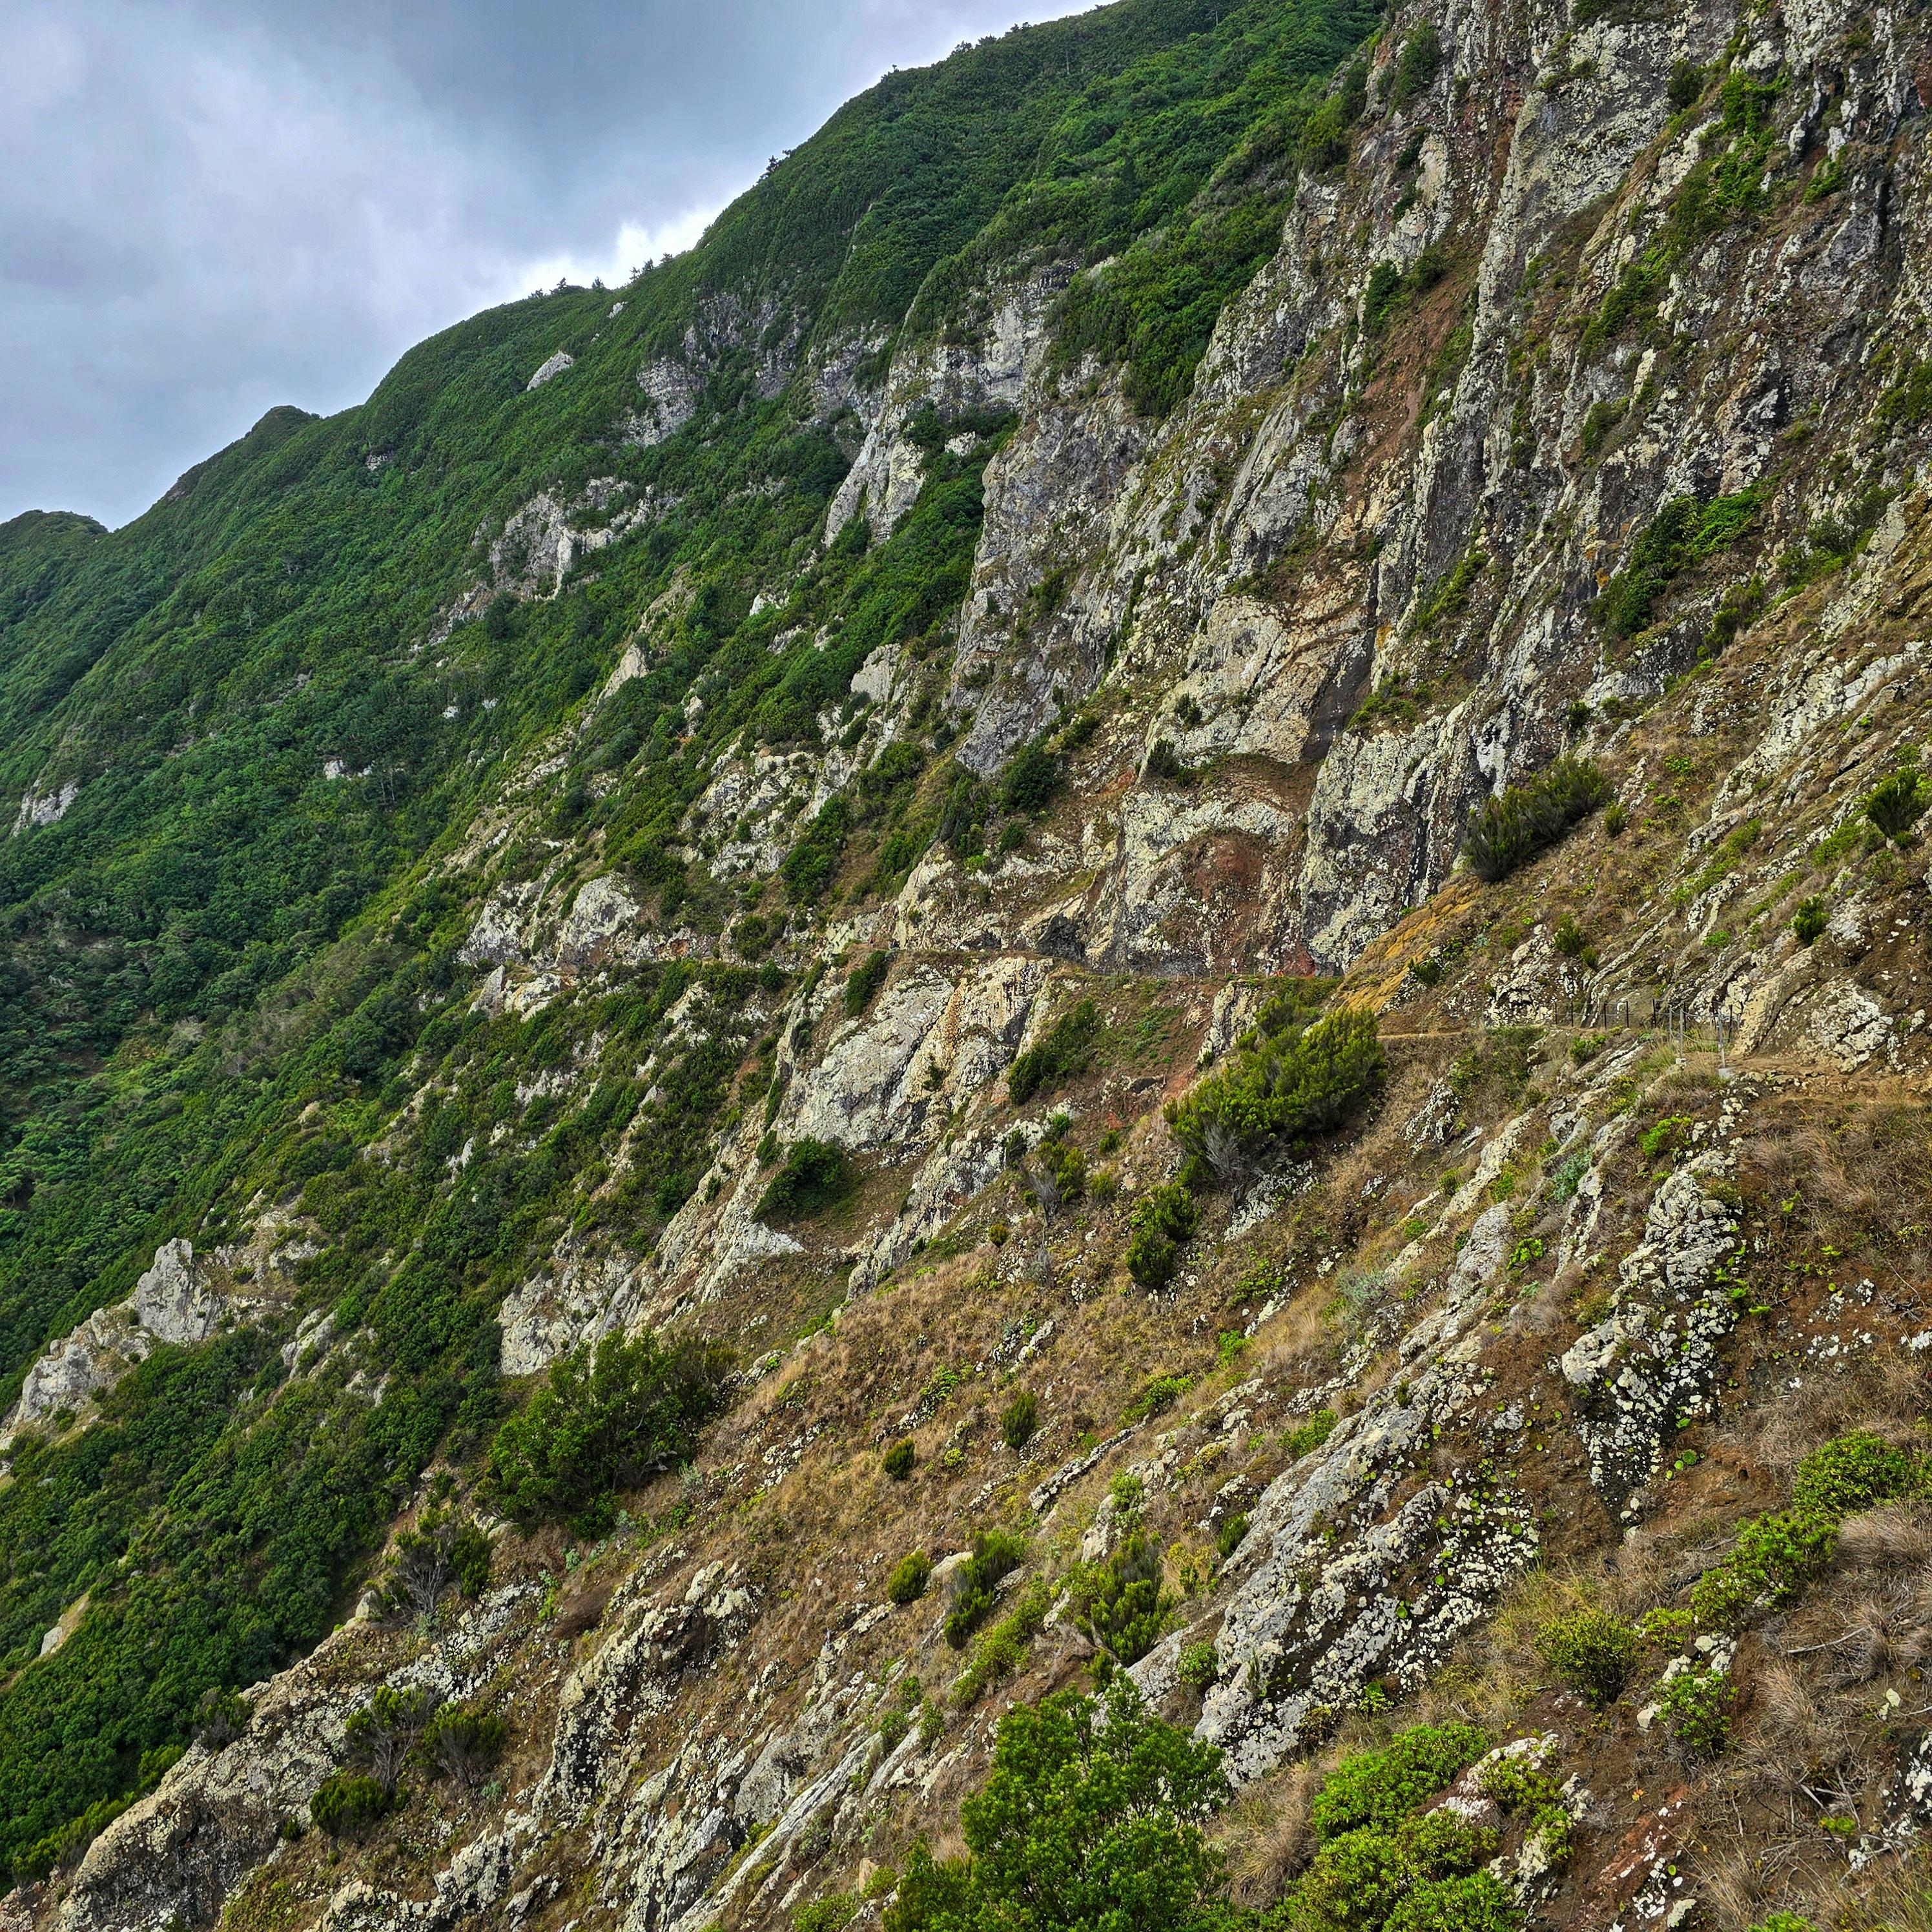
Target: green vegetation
1522,820
907,1582
1001,1651
1377,1790
1157,1398
1092,1815
995,1555
1162,1221
1064,1051
1777,1554
863,981
1019,1419
898,1460
1119,1603
1683,533
1898,802
816,1175
1591,1651
1290,1082
1809,922
605,1422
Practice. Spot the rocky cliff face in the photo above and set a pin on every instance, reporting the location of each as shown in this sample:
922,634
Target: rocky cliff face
1582,411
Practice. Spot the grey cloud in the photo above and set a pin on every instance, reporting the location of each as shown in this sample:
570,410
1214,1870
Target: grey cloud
207,207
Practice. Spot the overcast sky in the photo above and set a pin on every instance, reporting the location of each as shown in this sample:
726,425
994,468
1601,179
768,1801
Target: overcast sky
208,207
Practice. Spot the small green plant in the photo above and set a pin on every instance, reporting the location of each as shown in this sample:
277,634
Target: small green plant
1120,1603
996,1554
863,981
1522,820
347,1803
1002,1650
1062,1052
221,1717
816,1175
1157,1398
1694,1706
1591,1651
1809,922
1020,1420
1380,1788
832,1913
463,1744
1161,1221
1310,1435
907,1582
1198,1665
1897,803
1230,1537
898,1461
1855,1472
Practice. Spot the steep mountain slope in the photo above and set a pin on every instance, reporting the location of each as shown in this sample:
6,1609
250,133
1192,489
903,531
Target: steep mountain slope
1191,778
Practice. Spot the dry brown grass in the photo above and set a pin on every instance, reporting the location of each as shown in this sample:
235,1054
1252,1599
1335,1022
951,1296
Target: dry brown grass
1266,1833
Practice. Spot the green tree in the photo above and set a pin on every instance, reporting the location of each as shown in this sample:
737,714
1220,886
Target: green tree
605,1422
1090,1822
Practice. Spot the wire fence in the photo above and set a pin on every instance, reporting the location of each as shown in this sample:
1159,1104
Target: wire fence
1652,1013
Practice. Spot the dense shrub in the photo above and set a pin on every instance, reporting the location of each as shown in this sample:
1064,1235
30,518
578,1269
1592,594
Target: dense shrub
863,981
1019,1419
1119,1603
1591,1651
816,1175
1417,66
1198,1665
464,1745
1694,1705
1092,1818
347,1803
1683,532
1897,803
1162,1221
1855,1472
811,864
382,1734
1062,1052
1522,819
907,1582
996,1554
1002,1650
898,1460
605,1422
1380,1788
1157,1398
1282,1089
221,1717
832,1913
1032,778
442,1553
1809,922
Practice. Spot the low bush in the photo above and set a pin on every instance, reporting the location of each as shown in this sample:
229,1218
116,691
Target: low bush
1284,1088
1062,1051
1694,1706
1591,1651
1524,819
1157,1398
898,1461
604,1423
221,1717
1161,1221
907,1582
1031,779
816,1175
1855,1472
1684,532
464,1745
1020,1420
442,1553
1809,922
1119,1603
996,1554
1003,1649
381,1735
1897,803
863,981
1230,1537
347,1803
1199,1665
1380,1788
1307,1436
832,1913
1092,1817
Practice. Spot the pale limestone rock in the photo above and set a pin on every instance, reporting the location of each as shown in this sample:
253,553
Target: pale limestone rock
552,366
